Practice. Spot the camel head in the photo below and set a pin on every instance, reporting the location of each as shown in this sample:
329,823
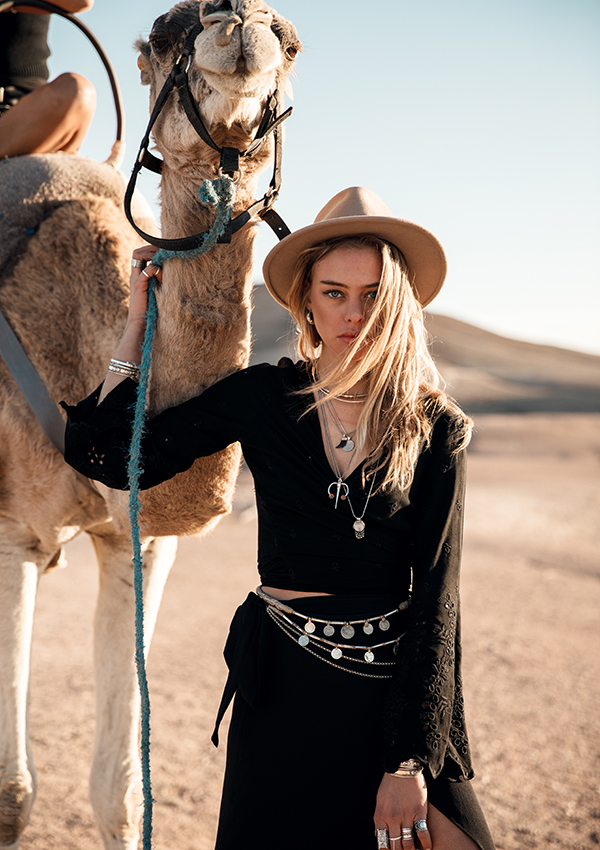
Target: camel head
244,52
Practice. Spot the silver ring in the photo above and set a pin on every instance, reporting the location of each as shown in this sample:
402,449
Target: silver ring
383,839
421,825
406,833
398,838
138,264
145,273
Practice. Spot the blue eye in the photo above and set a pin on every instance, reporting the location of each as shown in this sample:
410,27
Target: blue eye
333,293
372,295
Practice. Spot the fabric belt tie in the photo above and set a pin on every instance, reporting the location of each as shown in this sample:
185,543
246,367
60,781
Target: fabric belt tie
245,656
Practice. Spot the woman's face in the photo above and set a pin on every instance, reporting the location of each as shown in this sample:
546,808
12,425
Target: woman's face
341,295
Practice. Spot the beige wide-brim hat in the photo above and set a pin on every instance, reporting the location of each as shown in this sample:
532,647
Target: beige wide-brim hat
353,212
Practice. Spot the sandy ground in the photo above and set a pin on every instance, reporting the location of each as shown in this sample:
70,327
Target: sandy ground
531,597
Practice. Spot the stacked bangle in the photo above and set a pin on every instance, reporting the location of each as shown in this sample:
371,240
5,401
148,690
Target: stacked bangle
411,767
125,368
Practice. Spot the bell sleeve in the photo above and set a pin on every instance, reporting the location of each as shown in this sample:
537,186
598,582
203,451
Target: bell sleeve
423,715
98,436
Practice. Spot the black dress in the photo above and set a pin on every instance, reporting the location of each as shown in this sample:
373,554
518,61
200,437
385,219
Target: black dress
309,741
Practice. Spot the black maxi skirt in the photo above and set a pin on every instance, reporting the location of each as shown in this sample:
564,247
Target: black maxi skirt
303,752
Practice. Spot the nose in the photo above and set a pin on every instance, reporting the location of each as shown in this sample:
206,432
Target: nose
355,311
247,12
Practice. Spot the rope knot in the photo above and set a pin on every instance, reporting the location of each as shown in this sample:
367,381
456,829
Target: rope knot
219,193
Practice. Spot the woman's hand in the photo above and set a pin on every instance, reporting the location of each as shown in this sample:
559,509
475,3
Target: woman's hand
402,800
130,347
138,282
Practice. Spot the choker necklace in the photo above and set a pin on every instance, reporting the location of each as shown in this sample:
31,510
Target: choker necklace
350,398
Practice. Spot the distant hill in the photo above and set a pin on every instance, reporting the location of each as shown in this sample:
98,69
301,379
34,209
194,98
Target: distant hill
486,373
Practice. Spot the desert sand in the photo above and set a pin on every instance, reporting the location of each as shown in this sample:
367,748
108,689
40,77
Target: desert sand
531,597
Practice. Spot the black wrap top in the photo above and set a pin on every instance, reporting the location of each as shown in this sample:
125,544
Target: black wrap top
305,543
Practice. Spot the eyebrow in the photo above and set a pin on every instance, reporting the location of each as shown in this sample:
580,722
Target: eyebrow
345,285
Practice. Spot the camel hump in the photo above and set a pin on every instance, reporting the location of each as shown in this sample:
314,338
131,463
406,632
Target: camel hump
33,186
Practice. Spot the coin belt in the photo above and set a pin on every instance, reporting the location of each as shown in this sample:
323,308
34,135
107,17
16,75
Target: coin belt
304,634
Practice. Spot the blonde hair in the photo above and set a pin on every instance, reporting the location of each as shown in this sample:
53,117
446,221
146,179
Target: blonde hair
405,390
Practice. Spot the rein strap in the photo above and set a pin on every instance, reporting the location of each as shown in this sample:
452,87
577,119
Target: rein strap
229,162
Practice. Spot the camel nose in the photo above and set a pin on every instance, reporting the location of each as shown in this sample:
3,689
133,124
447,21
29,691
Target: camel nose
248,12
226,30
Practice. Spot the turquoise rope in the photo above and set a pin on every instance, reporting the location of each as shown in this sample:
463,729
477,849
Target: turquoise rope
219,193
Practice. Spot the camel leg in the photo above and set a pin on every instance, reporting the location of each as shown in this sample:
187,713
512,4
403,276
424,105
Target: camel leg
19,575
115,779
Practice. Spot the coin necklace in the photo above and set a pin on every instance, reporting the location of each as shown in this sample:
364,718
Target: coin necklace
359,523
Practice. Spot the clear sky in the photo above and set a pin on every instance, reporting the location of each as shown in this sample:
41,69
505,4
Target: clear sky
479,119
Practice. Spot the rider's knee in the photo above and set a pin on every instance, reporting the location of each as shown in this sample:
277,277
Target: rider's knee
73,93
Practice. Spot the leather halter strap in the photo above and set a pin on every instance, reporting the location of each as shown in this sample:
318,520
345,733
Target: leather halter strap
230,157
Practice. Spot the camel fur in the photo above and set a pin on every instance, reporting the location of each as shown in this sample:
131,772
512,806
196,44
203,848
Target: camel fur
65,251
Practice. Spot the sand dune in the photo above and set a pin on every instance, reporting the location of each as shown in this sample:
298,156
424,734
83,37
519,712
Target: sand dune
485,372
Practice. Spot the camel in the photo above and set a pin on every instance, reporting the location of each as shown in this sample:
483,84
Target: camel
65,259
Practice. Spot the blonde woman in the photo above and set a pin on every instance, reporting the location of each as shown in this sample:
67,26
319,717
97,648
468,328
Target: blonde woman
348,728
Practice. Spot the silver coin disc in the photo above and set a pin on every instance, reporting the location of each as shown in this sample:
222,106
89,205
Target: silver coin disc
303,640
348,445
368,628
309,627
384,624
369,656
347,631
359,526
328,631
336,653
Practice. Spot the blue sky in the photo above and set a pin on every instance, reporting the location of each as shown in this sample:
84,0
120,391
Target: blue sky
479,119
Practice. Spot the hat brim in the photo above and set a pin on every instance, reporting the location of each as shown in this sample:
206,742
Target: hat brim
423,252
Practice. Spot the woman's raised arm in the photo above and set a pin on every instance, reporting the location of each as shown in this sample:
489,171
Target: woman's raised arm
130,347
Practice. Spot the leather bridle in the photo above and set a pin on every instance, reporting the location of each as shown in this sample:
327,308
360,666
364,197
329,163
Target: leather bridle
230,157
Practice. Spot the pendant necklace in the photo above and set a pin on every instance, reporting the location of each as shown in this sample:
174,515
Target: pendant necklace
340,486
346,444
342,491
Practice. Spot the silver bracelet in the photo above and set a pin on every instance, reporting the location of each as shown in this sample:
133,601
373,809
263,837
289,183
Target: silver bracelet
411,767
125,368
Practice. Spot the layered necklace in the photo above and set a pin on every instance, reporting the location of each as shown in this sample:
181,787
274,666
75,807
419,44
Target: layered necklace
338,489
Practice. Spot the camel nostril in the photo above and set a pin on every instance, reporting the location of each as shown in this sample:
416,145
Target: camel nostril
226,31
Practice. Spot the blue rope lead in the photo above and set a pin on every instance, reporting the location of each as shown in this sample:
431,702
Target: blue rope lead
219,193
134,471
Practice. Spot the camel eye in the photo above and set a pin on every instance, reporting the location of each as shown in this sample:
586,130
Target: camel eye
291,52
159,43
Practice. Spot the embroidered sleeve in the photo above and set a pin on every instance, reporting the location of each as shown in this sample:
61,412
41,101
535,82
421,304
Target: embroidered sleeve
424,714
97,437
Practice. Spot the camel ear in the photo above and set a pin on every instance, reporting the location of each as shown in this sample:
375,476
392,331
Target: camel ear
144,67
143,61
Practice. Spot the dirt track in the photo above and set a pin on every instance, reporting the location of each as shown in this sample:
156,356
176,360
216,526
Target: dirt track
531,596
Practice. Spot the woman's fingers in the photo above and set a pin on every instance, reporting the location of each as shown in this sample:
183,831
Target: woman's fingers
422,836
152,271
141,263
383,837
